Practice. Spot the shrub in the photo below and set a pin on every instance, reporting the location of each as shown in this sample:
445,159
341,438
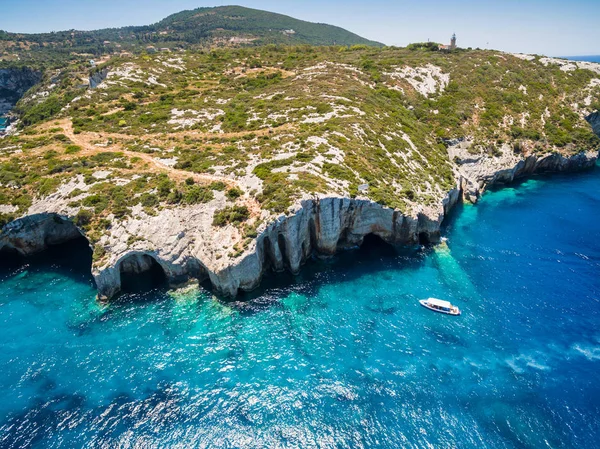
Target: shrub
42,111
149,200
70,149
234,193
48,186
231,215
219,186
129,106
83,217
198,194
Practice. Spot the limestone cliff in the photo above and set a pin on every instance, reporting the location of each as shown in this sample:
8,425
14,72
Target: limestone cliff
477,171
318,225
35,233
13,85
216,166
594,121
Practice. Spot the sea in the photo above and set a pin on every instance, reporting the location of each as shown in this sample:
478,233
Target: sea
593,58
340,356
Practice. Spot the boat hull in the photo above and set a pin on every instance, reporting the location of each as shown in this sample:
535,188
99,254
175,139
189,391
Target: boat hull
456,312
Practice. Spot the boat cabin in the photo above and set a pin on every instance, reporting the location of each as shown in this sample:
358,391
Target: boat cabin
440,304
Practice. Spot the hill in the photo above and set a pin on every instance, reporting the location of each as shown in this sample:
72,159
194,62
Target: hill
264,27
218,26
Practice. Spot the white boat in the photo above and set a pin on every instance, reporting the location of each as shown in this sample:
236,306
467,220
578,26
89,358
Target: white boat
438,305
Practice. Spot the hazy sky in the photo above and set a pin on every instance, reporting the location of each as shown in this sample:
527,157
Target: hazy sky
552,27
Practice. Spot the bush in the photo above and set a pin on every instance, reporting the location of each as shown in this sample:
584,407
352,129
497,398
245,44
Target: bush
42,111
219,186
149,200
70,149
48,186
83,218
129,106
231,215
234,193
198,194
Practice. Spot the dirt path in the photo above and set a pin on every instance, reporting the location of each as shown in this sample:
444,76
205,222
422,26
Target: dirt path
191,133
156,166
84,141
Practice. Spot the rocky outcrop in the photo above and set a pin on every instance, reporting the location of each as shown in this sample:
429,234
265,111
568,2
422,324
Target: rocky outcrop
317,225
325,226
35,233
594,121
97,77
13,85
480,171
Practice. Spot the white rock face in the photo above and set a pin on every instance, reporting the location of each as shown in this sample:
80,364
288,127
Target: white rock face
323,225
427,80
478,171
524,57
186,246
34,233
594,121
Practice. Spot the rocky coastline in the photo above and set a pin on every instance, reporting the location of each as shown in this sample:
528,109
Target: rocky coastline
13,85
323,225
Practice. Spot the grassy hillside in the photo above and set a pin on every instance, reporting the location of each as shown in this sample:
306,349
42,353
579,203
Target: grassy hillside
259,128
220,26
267,27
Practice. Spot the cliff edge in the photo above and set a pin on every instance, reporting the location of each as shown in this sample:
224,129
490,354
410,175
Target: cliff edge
221,166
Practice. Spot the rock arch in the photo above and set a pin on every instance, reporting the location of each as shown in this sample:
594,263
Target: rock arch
36,233
56,236
10,257
140,272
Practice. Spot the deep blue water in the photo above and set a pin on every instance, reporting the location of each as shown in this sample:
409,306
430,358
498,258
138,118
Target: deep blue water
584,58
341,357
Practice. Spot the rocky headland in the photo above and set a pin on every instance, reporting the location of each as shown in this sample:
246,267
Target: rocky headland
284,179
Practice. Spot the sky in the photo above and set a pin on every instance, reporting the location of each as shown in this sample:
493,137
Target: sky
550,27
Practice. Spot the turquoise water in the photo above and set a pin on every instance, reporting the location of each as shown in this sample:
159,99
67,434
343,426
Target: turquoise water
341,356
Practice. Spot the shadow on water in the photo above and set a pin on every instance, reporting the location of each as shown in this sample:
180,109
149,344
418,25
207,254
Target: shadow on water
72,259
373,256
36,425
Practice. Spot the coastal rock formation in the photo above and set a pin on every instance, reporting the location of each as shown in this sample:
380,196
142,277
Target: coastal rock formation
594,121
477,171
35,233
319,225
325,226
13,85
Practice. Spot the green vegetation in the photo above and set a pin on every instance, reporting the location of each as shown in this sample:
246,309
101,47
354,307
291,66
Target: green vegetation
231,215
202,26
277,123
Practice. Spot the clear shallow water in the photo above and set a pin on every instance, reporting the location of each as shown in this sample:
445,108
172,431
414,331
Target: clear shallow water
342,357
